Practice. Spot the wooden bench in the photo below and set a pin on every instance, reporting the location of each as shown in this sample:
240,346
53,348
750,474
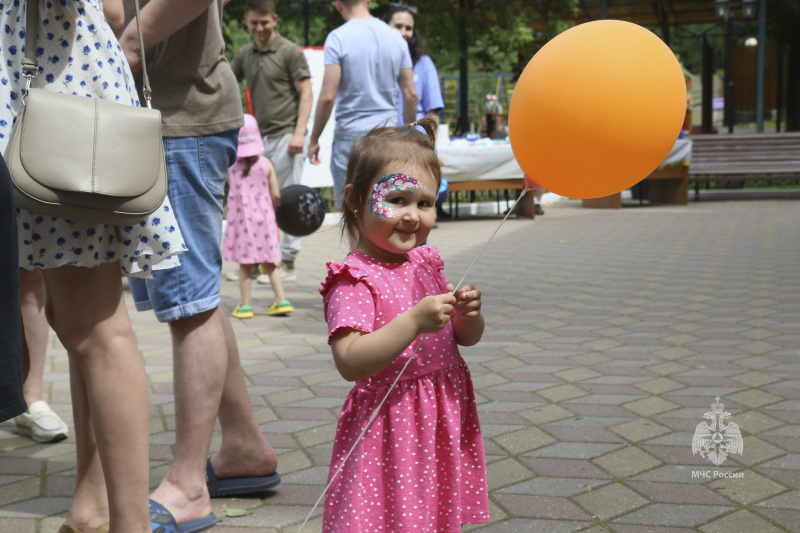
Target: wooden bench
668,185
738,158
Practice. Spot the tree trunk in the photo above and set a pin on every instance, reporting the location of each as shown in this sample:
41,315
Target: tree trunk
793,85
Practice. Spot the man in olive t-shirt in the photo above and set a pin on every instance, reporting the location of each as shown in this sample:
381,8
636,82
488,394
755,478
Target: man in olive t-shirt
279,81
195,90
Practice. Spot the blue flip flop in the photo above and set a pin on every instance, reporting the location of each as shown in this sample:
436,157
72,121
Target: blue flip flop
162,521
238,485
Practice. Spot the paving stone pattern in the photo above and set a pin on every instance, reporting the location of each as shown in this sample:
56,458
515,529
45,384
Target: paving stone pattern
609,334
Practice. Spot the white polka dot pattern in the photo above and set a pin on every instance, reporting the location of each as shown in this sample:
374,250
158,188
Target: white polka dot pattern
421,466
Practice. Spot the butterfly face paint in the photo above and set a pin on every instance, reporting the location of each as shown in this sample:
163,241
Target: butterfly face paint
385,185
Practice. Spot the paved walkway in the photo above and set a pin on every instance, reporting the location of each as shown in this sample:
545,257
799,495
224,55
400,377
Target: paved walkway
609,334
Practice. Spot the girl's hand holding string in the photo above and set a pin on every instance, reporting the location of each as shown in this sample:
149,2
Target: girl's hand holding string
432,313
468,302
467,319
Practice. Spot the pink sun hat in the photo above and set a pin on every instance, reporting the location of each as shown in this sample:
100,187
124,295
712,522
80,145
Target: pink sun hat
250,142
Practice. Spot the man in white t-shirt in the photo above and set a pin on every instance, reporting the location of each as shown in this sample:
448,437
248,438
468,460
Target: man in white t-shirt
365,60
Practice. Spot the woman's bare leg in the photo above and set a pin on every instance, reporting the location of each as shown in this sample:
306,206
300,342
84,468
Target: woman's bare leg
89,509
35,330
89,316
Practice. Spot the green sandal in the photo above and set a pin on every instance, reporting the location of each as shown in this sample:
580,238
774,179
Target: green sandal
243,311
280,308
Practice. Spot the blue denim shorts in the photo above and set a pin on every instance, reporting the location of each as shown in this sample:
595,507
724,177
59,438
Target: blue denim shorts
197,167
340,153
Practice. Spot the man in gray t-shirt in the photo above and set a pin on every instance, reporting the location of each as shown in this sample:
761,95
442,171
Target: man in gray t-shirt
365,60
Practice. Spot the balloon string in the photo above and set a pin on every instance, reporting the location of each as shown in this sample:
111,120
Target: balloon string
402,370
492,237
363,432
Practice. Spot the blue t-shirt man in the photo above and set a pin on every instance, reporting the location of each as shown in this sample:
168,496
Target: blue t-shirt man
370,55
365,60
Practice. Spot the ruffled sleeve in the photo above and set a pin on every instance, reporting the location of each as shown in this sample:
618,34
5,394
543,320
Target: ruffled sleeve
429,254
428,257
348,299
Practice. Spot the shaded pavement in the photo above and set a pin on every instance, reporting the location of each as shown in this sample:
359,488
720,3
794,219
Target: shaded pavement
609,335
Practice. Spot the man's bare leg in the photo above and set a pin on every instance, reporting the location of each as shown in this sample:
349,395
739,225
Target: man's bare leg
245,451
199,366
208,380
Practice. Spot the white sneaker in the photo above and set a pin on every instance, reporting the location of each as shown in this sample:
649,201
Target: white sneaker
41,423
263,277
234,276
287,271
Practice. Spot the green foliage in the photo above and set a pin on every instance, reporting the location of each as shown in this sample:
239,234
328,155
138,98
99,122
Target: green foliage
294,30
324,18
556,10
236,36
783,17
498,33
497,30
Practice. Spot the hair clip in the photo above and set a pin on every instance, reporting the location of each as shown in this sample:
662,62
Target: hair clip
413,124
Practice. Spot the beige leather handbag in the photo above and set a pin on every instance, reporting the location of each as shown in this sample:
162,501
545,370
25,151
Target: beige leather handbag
84,158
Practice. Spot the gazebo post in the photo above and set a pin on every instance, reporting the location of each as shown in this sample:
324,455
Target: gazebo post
762,44
463,70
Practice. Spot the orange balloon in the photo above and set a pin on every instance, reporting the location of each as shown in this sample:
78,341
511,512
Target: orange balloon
597,109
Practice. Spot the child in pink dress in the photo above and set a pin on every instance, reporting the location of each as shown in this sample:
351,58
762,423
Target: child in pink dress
251,234
420,467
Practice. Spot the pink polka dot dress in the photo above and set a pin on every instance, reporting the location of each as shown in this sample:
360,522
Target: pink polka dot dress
421,466
251,234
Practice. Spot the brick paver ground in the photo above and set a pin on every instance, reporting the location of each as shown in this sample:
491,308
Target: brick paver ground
609,334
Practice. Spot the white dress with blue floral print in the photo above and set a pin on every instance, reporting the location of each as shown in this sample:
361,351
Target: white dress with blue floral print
77,54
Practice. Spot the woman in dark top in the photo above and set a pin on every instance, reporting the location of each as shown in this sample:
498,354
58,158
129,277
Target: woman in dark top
12,402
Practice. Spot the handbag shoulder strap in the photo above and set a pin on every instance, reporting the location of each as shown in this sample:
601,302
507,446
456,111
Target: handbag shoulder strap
30,65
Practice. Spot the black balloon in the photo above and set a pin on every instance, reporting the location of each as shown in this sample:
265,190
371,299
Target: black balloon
301,210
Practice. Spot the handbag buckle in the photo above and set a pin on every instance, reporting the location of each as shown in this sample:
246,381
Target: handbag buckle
30,68
147,98
28,78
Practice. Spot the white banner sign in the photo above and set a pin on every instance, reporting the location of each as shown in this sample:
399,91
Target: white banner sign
318,175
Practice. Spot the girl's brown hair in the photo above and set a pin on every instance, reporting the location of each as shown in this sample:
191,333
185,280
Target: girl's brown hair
248,164
375,151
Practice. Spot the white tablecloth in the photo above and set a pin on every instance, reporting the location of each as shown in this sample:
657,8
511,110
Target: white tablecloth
483,159
681,154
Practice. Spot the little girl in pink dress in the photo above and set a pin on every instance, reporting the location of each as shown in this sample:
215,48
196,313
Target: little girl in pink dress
251,232
420,467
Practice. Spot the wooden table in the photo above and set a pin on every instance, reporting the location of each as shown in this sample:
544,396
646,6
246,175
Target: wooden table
524,209
483,166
